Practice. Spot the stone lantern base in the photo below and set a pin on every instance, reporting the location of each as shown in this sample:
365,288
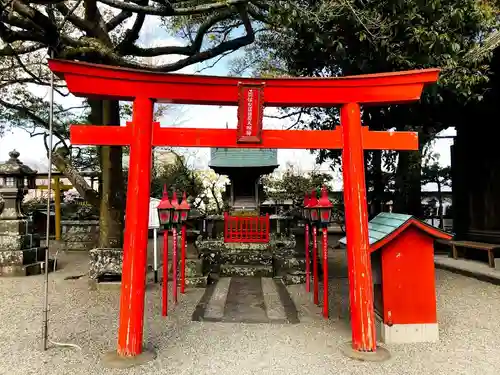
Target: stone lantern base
20,254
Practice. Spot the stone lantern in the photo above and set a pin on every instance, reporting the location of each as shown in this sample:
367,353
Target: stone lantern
15,180
20,251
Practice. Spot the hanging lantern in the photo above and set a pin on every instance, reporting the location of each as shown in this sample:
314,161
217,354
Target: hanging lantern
325,207
165,209
313,209
184,208
305,208
176,217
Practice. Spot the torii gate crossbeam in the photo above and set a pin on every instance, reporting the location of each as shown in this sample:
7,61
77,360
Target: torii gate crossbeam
250,95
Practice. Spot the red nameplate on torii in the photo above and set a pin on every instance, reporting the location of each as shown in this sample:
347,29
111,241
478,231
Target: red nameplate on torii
250,113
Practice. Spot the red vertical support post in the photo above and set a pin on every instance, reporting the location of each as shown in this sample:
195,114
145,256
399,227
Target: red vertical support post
315,264
356,215
164,307
183,259
325,273
174,262
133,286
308,261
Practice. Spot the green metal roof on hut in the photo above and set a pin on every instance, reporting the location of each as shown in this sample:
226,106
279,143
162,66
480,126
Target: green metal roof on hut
229,158
386,223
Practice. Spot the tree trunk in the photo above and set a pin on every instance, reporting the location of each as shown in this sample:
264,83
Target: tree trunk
111,218
408,189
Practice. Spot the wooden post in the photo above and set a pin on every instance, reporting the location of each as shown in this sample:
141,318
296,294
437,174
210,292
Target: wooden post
133,287
356,216
57,207
308,261
164,306
174,262
325,272
315,264
183,259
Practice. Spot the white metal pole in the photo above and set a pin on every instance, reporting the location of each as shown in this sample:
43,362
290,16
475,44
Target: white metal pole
155,254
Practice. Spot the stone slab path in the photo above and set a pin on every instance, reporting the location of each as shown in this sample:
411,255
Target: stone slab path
246,300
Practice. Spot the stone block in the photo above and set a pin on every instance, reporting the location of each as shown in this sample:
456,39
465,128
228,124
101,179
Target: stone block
80,234
105,262
294,277
23,262
15,227
229,270
18,242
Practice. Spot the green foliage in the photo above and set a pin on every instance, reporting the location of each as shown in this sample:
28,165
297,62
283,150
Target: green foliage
178,177
434,172
294,185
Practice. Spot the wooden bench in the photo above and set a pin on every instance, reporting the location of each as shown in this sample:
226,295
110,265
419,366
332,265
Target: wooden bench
455,245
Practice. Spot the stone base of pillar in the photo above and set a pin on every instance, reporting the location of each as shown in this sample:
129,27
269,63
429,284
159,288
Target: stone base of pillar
406,333
105,262
25,262
114,360
381,355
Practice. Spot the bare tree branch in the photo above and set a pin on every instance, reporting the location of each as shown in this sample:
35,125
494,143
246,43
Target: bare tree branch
168,9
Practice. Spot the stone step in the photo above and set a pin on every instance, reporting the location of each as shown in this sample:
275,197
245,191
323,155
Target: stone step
229,270
26,270
247,257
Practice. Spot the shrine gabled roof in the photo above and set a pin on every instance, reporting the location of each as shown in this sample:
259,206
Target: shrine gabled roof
243,158
387,225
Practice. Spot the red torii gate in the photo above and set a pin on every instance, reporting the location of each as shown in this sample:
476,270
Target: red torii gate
250,95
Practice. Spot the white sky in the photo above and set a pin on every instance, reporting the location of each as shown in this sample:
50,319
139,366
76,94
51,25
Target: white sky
33,152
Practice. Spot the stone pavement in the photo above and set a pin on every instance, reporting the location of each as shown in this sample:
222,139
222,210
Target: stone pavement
467,309
246,300
472,268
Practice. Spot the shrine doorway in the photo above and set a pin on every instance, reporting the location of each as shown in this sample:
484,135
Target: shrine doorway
250,95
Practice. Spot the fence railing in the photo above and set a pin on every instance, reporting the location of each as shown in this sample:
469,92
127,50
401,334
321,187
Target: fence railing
249,229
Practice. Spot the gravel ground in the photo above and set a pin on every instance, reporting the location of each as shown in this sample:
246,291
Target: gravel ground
468,316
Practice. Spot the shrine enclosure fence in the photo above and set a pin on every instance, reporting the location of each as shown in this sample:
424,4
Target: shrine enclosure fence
251,95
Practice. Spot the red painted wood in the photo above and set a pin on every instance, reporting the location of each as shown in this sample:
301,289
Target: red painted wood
84,79
409,297
308,261
174,263
315,265
358,256
183,259
250,113
133,284
194,137
252,229
325,273
164,309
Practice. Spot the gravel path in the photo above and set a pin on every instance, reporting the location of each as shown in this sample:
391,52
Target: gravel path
468,316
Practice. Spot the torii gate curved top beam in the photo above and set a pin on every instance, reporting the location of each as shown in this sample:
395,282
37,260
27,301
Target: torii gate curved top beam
84,79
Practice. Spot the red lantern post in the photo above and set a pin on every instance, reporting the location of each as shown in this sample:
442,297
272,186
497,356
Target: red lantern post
184,212
313,212
175,221
325,213
165,217
305,214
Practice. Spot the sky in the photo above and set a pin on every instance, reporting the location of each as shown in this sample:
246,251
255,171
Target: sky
32,150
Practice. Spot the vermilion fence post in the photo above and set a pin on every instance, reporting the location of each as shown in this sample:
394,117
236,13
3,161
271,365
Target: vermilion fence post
165,274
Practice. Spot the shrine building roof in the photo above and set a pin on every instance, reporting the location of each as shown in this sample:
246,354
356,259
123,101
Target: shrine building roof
243,157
